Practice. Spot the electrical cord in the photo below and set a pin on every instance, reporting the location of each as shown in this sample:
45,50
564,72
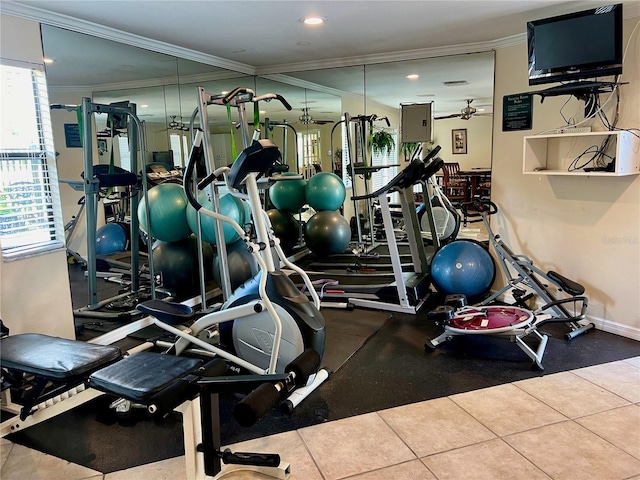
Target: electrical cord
597,158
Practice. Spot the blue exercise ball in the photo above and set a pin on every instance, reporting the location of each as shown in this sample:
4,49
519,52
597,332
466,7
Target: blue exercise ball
230,206
288,195
327,232
463,267
167,211
111,238
325,191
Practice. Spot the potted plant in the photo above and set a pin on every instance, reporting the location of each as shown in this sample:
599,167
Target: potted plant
407,150
382,143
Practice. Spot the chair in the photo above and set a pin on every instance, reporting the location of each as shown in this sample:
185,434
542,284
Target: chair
484,187
454,186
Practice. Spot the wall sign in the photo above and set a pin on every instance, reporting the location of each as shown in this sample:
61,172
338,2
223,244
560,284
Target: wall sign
517,112
72,135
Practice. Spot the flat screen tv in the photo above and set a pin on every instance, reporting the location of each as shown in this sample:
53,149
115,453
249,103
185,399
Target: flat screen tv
577,46
166,158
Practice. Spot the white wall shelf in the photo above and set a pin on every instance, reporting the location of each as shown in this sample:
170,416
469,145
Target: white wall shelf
553,154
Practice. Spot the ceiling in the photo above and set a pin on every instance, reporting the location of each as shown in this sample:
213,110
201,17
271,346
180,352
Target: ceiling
236,37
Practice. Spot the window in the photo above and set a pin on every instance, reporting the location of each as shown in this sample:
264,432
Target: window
180,148
309,145
383,176
125,154
30,210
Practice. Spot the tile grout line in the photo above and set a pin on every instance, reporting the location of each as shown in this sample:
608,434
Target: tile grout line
572,372
308,450
405,443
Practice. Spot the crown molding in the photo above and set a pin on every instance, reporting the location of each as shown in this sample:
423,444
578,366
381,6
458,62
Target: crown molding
108,33
297,82
64,21
415,54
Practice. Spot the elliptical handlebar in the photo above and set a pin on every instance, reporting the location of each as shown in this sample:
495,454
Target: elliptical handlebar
477,209
250,96
235,92
434,151
267,97
188,174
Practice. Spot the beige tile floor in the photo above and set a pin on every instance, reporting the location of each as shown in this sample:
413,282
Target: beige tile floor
577,425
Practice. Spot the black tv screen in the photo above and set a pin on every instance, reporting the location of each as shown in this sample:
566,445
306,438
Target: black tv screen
166,158
576,46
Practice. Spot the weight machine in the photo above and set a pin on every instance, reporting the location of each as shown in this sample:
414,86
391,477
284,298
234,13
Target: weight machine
359,164
97,178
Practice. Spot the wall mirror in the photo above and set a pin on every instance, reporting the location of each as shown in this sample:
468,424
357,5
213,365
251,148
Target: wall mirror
166,86
163,87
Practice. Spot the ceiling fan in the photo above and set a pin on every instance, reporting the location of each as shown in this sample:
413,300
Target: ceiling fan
306,118
468,111
173,125
465,114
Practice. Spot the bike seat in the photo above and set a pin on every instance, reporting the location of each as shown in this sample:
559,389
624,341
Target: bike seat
569,286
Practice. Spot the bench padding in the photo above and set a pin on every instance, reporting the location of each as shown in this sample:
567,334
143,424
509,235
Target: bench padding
53,357
141,376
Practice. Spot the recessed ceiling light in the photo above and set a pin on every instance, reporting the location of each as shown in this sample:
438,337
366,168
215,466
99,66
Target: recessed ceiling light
48,60
313,20
413,76
303,44
426,95
144,106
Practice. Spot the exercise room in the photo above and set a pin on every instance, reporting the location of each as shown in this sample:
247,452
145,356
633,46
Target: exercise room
320,240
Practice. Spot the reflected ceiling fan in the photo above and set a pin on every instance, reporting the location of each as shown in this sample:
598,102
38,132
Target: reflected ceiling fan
468,111
174,125
465,114
307,119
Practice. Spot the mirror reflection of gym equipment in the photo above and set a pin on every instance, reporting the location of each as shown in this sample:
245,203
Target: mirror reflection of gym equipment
439,231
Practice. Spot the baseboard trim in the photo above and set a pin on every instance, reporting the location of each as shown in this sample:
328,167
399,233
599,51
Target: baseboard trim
615,328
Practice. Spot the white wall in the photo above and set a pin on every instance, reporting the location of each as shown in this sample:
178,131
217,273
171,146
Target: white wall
35,295
587,228
479,136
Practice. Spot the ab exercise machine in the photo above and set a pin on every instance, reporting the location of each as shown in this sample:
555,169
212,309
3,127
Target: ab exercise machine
524,281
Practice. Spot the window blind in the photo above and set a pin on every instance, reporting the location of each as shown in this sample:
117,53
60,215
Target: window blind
383,176
30,208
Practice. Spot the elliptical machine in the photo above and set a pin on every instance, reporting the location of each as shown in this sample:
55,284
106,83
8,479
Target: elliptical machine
267,322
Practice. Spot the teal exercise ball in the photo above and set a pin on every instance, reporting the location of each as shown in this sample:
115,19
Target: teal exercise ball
325,191
111,238
167,211
285,227
230,206
288,195
178,265
327,232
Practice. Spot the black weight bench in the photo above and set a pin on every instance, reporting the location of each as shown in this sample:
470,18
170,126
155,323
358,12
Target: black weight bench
41,367
162,382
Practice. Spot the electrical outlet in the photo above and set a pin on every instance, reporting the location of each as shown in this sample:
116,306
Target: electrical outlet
574,130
